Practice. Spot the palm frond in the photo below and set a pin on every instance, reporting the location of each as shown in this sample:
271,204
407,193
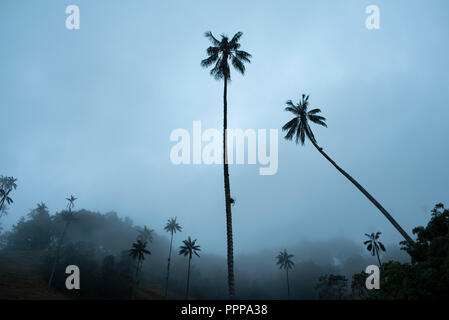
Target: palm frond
212,39
243,55
209,60
238,64
236,37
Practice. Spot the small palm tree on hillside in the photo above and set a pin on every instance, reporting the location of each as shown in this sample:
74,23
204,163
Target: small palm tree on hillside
172,226
68,217
138,252
284,261
299,129
373,245
188,249
220,54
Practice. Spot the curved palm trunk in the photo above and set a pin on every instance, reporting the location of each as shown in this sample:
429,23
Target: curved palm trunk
188,279
168,265
370,197
52,275
288,286
230,244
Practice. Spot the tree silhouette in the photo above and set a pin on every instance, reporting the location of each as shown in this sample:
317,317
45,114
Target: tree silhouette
358,286
145,235
332,287
172,226
67,216
219,55
285,262
188,249
373,245
138,252
299,128
7,184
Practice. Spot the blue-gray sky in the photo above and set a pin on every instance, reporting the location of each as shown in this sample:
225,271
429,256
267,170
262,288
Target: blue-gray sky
90,112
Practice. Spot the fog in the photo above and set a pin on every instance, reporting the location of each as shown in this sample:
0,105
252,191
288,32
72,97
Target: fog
93,237
89,112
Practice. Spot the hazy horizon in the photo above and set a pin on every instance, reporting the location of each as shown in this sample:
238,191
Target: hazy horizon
89,112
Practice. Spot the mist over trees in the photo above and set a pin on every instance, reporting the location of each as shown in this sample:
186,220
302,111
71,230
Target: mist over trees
121,260
99,244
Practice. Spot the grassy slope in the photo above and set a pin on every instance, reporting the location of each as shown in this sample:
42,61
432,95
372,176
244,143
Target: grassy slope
21,278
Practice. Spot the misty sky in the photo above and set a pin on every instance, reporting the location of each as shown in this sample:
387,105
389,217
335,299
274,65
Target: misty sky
89,112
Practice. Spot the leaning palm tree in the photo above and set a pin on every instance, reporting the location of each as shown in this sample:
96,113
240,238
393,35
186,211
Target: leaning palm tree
7,184
172,226
188,249
285,262
68,216
138,252
374,245
219,55
299,128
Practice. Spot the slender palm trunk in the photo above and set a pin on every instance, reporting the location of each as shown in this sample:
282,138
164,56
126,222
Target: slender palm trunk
377,254
52,275
288,286
370,197
168,265
230,243
134,291
188,279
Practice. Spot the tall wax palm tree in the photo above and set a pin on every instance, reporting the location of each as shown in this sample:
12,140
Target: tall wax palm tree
220,54
172,226
188,249
7,184
299,129
138,252
68,216
373,245
285,262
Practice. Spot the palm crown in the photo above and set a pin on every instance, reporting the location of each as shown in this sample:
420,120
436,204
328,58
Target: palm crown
189,248
172,226
221,52
373,244
299,125
146,234
71,201
284,260
69,215
7,183
139,250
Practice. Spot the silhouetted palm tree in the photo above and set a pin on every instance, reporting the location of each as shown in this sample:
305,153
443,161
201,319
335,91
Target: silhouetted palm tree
219,55
7,184
68,216
138,252
172,226
189,248
285,262
374,245
299,128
